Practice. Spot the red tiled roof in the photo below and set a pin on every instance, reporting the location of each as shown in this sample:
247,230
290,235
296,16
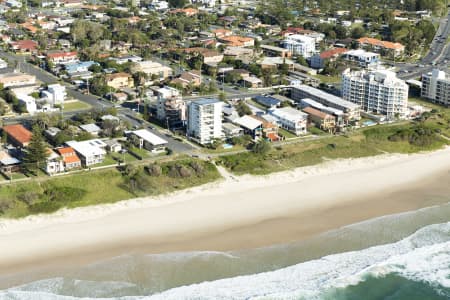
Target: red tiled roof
18,132
71,159
316,112
61,54
332,53
383,44
25,44
65,150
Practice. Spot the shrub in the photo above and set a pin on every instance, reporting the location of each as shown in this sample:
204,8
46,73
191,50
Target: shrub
154,170
184,171
197,167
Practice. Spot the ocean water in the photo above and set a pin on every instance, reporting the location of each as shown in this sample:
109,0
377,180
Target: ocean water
398,257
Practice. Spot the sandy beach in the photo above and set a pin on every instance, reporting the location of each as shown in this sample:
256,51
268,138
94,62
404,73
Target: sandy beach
234,213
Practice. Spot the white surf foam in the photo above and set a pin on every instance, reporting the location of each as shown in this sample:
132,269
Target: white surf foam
425,255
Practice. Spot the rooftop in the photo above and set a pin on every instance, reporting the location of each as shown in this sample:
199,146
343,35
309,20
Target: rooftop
88,148
380,43
206,101
149,137
331,98
18,132
248,122
289,113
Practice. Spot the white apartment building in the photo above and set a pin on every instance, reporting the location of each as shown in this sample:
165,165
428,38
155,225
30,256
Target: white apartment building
291,119
55,94
205,120
436,87
299,44
379,92
170,107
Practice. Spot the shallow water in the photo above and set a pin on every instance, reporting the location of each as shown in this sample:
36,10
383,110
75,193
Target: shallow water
397,257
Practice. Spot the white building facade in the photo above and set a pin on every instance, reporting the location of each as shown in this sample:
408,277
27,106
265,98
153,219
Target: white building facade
205,120
55,93
299,44
436,87
291,119
379,92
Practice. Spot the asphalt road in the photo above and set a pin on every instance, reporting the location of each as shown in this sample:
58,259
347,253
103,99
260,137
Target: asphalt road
437,57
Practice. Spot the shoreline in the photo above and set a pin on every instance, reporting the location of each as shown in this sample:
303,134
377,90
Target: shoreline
234,213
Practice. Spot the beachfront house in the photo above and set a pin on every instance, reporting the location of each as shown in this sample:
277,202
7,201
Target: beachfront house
148,140
290,119
91,152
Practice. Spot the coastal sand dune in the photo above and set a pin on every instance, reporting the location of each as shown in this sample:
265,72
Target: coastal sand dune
236,212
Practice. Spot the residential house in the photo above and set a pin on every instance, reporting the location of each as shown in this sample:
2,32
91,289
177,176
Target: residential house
92,129
208,56
24,46
222,32
362,57
54,163
291,119
316,36
268,101
339,116
119,80
238,41
320,119
188,78
251,126
113,145
317,61
382,47
153,69
188,12
269,129
251,82
72,3
62,57
69,158
90,152
8,163
148,140
78,67
238,53
120,97
17,135
230,130
276,51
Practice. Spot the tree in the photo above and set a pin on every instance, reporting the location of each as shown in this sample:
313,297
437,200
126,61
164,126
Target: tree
37,151
358,32
243,109
262,147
